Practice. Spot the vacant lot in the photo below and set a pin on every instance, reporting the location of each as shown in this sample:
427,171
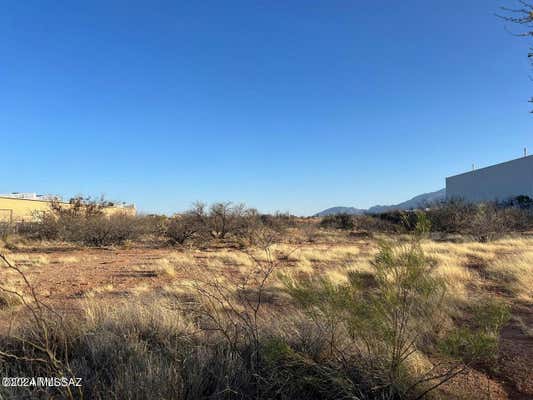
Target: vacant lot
127,308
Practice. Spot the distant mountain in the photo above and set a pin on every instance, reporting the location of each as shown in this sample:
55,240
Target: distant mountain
416,202
419,201
340,210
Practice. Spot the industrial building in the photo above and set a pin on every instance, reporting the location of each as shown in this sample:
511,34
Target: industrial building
21,207
499,182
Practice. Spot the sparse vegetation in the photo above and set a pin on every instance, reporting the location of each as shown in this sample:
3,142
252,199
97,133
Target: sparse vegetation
258,306
482,222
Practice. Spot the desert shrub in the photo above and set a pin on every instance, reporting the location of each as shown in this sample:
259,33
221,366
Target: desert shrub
452,216
279,221
399,218
377,321
181,228
174,361
388,316
152,224
483,221
389,222
491,315
254,229
29,229
220,221
177,357
248,225
372,223
404,221
469,345
249,359
478,343
36,348
491,222
223,219
522,202
223,222
84,221
6,229
107,230
338,221
310,231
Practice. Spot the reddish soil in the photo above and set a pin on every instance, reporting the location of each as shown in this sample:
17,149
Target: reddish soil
516,354
94,268
64,284
515,359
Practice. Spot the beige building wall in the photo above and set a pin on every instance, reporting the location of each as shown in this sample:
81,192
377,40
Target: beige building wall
20,210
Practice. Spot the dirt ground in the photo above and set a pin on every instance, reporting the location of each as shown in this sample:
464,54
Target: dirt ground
66,277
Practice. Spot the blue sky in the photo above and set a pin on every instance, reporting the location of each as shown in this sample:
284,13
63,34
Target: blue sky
293,106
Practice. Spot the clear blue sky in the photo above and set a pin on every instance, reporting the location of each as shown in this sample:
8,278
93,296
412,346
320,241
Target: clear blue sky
285,105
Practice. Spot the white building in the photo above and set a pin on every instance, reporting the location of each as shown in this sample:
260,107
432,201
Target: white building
498,182
31,196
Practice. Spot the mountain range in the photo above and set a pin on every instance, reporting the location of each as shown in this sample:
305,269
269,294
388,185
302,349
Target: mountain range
416,202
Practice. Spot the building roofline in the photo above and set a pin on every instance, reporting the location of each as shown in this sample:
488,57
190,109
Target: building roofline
18,198
65,202
490,166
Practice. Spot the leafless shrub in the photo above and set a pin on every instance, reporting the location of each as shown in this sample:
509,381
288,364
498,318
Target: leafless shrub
371,223
84,221
151,225
6,229
41,346
220,222
234,309
310,231
483,221
279,221
182,228
338,221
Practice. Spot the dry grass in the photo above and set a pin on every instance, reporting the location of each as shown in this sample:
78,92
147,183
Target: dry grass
467,267
515,273
74,260
25,260
162,266
99,291
506,263
9,296
470,269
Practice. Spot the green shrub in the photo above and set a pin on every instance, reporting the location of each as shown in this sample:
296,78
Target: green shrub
387,316
478,342
491,316
469,345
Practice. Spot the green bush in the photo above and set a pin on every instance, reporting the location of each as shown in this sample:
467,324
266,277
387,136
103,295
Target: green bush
469,345
479,341
387,315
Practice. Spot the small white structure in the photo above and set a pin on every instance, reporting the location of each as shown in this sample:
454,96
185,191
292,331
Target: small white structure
498,182
31,196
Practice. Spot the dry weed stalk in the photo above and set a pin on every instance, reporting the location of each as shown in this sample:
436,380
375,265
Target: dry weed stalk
43,341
